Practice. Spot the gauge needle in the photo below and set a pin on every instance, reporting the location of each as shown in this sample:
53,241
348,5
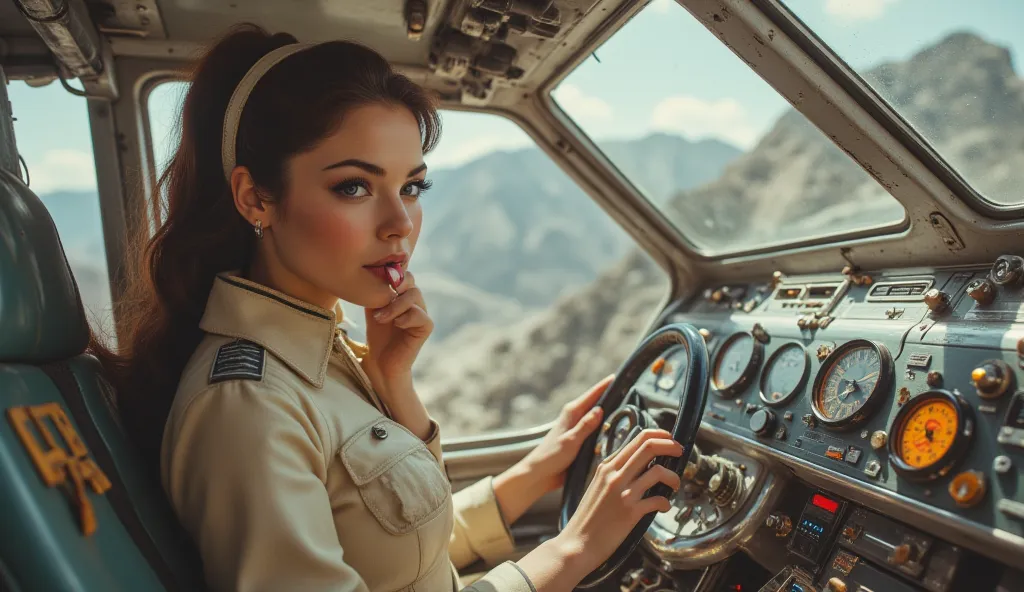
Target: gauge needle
849,389
872,375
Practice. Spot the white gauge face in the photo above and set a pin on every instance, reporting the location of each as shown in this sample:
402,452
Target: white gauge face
733,361
784,375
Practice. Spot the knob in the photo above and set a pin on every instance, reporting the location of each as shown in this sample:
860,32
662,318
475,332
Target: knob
967,488
879,439
992,378
726,486
937,300
835,585
1007,270
762,421
983,291
706,334
781,523
900,554
760,333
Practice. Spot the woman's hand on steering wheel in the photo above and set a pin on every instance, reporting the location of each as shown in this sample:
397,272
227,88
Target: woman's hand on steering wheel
614,501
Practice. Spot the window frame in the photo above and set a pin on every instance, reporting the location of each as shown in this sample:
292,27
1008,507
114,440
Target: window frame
821,57
694,250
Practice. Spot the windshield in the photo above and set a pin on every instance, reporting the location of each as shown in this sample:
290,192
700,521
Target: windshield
727,160
950,68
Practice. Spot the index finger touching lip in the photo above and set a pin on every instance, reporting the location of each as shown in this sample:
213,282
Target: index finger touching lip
408,281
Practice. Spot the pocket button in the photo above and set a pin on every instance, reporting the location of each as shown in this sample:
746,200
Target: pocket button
380,432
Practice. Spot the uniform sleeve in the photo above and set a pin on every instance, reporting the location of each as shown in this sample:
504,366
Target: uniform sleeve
480,531
245,471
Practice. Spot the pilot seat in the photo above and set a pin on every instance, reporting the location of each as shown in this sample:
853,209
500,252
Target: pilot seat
80,512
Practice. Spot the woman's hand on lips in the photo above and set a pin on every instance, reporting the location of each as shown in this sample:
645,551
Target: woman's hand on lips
395,333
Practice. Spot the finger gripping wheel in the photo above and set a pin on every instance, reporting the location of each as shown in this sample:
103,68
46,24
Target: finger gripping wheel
691,392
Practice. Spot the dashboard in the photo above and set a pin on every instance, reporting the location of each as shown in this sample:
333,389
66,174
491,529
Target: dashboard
900,390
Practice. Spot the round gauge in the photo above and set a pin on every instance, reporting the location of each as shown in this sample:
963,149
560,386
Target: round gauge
784,374
851,383
669,369
930,434
736,363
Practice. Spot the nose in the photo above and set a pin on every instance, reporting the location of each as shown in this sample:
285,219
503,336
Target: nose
395,220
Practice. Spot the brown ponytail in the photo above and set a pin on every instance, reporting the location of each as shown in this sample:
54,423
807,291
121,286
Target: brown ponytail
296,104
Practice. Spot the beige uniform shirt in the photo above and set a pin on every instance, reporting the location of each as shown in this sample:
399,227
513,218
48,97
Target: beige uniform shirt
285,468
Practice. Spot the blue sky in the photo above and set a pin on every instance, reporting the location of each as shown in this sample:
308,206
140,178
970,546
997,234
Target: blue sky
663,71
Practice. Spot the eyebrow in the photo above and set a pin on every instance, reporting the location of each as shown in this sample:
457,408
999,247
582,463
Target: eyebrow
370,167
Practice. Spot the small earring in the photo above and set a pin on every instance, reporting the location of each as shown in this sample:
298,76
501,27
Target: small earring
259,229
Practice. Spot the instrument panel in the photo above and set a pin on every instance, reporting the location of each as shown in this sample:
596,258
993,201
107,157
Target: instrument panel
900,383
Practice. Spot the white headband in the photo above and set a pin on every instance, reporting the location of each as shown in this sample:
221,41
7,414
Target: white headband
238,99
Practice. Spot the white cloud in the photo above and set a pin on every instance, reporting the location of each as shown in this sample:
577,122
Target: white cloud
449,155
62,169
857,10
661,6
725,119
581,107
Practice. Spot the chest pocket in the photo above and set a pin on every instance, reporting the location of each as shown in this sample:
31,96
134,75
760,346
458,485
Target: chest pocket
398,479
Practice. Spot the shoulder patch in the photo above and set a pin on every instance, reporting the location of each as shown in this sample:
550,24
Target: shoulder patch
238,359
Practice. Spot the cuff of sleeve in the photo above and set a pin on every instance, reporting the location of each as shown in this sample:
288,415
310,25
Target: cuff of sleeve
433,441
507,577
487,533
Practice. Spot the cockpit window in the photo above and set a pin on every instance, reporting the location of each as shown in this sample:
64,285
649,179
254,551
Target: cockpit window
951,69
727,160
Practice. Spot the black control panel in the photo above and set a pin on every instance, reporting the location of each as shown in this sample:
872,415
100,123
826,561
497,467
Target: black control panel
814,531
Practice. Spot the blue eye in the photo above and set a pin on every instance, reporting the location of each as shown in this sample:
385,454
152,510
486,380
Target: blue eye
416,188
353,188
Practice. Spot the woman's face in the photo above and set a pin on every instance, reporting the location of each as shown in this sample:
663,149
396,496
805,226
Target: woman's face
351,203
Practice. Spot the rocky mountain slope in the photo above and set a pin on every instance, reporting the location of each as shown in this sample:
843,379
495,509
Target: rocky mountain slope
510,232
962,93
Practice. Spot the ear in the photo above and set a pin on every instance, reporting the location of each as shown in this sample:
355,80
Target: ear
247,198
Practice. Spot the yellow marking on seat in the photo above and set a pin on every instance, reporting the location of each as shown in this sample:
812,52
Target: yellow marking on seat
57,464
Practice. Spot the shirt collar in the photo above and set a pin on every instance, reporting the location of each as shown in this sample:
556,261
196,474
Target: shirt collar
300,334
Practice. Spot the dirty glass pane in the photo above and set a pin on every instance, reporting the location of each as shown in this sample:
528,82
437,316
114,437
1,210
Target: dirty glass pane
536,293
723,156
952,70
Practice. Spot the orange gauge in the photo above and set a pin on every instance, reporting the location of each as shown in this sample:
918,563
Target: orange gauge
930,434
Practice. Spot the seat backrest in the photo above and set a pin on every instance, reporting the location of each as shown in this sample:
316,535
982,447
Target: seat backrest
80,512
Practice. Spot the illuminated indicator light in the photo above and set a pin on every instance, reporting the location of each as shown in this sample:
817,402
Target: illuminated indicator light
658,365
824,503
834,453
978,374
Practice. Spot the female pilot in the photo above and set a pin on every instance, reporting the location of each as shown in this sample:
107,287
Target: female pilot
296,458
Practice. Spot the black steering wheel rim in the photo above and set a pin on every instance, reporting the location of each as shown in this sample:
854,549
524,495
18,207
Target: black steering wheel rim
692,392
